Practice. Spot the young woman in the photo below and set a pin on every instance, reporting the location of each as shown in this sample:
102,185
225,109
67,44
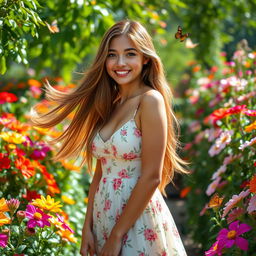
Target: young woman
123,118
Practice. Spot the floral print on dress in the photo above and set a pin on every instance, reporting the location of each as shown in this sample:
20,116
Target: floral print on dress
154,233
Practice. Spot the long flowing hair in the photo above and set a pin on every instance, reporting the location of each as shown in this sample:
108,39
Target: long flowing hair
95,97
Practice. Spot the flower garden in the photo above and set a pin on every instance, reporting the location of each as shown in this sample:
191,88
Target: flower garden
219,126
40,213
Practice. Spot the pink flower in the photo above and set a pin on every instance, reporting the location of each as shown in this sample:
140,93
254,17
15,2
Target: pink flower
103,160
252,205
231,236
129,156
249,112
125,238
36,217
233,201
221,170
117,183
93,147
212,187
104,180
137,132
233,215
216,249
117,215
64,225
3,240
114,150
123,174
150,235
106,151
158,206
123,132
247,143
107,205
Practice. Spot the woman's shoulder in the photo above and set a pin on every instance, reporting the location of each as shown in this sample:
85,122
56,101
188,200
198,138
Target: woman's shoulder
151,97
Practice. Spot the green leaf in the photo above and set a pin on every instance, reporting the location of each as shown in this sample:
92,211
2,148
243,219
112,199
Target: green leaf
21,248
2,65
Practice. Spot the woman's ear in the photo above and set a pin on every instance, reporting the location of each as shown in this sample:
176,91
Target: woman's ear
145,60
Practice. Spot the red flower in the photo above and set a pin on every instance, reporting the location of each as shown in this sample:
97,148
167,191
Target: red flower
107,205
7,97
4,162
150,235
31,194
236,109
129,156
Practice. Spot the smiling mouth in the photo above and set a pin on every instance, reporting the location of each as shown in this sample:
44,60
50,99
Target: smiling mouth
122,73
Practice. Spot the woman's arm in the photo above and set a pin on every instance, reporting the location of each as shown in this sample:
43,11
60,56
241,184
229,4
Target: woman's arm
92,190
154,140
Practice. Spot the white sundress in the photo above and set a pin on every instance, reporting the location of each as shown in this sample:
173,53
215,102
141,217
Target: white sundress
154,233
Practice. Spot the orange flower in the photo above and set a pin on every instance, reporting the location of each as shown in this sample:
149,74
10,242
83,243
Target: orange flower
25,166
67,199
3,206
33,82
4,219
185,191
196,68
67,236
49,178
253,184
19,127
250,127
70,166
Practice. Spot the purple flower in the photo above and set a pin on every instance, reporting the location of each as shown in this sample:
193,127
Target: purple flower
36,217
3,240
229,237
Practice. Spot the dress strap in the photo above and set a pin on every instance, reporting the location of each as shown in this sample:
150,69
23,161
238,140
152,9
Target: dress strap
135,112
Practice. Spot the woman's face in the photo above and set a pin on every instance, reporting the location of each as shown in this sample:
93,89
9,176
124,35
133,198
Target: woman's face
124,62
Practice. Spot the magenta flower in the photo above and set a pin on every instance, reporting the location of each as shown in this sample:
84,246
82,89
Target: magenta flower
229,237
3,240
64,225
216,249
36,217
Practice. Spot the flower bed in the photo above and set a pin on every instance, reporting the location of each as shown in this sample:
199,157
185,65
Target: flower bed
42,203
220,128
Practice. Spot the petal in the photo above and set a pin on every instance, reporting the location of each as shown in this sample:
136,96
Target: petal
31,223
31,208
243,228
223,232
242,243
234,225
230,243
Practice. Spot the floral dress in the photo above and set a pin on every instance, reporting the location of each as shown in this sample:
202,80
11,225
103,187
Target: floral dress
154,233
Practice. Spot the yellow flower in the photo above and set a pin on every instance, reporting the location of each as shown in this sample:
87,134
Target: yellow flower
68,200
12,137
3,206
4,219
86,200
47,204
250,127
67,236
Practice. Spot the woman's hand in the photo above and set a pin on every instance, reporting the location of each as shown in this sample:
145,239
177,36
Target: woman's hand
112,247
88,243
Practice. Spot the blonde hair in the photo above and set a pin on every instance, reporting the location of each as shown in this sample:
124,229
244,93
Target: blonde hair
96,95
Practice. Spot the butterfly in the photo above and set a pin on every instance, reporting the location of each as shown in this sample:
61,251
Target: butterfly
215,201
179,35
53,27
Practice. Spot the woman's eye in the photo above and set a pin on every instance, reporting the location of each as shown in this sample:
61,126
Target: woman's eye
131,54
111,55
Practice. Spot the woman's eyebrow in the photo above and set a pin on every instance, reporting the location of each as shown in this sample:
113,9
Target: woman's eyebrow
128,49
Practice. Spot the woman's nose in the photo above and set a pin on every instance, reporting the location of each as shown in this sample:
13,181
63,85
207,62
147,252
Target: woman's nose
120,60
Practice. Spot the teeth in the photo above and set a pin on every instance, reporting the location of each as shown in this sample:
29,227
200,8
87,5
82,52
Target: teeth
122,72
